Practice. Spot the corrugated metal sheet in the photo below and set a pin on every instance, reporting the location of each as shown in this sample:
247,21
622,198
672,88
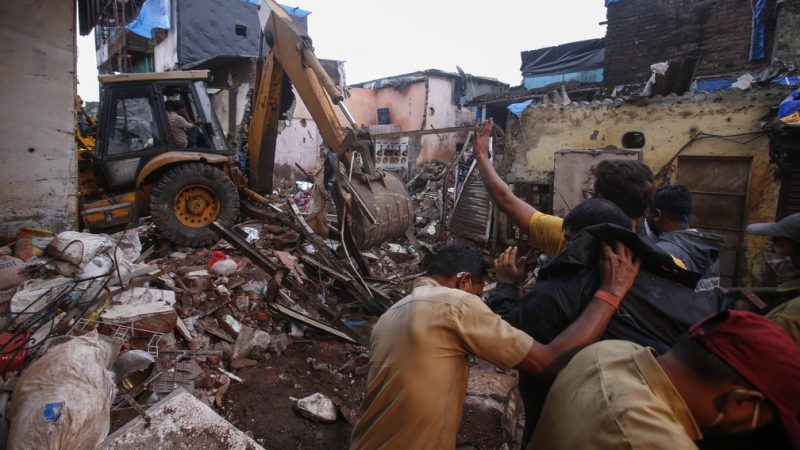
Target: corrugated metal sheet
472,213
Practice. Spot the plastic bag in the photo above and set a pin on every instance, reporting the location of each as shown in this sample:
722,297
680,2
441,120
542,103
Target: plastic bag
63,399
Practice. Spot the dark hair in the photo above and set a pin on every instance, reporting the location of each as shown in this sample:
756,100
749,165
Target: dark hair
674,201
707,365
457,258
169,105
178,105
595,211
627,184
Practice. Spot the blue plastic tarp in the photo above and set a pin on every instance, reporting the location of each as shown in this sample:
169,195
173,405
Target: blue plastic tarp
719,84
154,14
790,80
758,35
292,10
518,108
296,11
789,105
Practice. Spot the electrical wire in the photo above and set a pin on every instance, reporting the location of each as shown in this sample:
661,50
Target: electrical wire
664,171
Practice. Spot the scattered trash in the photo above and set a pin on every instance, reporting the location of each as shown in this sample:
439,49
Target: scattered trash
222,264
252,234
196,319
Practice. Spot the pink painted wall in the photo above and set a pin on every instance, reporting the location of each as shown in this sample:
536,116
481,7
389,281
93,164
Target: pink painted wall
406,110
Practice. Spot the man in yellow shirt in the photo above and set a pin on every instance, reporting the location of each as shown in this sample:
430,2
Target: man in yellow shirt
417,378
733,373
627,184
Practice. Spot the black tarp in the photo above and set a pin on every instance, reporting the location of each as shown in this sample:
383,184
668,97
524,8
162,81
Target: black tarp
565,58
660,306
210,29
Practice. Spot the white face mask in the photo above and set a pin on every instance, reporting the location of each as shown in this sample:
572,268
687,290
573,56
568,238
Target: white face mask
782,265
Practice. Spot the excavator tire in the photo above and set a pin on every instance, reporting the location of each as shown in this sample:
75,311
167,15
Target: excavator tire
187,198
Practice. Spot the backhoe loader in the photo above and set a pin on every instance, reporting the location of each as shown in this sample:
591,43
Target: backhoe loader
137,168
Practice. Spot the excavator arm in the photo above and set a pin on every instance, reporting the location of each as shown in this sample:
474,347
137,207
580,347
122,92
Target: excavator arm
291,56
372,205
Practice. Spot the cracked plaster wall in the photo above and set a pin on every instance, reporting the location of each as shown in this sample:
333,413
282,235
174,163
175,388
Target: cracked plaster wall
667,124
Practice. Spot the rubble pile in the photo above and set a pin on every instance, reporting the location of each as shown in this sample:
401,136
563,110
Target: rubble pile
266,330
426,190
215,322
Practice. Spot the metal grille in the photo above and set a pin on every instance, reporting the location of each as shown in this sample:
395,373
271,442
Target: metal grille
472,213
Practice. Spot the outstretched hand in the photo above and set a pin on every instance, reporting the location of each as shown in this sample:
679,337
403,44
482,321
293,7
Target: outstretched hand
619,269
507,269
483,132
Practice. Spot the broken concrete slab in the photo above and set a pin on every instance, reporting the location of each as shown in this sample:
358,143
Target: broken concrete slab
317,407
180,421
137,296
145,308
152,318
251,341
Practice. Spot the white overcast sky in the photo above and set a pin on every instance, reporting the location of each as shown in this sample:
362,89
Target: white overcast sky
381,38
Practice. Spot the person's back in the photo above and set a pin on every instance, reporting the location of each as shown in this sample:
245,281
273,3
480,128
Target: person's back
418,372
732,374
603,410
416,349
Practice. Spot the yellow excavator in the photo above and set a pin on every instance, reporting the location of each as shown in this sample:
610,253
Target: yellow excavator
137,168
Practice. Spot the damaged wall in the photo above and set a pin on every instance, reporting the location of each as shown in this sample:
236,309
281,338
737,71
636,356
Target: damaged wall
298,143
415,106
645,32
38,170
668,123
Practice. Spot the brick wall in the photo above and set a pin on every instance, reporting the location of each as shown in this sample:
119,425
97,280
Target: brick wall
644,32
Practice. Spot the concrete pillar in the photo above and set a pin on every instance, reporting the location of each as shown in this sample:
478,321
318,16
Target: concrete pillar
38,169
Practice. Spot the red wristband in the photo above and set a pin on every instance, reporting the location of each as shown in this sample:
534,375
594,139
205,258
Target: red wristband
608,297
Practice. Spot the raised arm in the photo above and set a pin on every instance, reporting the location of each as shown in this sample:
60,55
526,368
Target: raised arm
517,209
619,271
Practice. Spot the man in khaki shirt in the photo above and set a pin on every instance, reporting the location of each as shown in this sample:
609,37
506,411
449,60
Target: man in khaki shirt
418,369
733,373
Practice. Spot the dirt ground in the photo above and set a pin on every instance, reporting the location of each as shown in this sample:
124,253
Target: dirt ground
263,404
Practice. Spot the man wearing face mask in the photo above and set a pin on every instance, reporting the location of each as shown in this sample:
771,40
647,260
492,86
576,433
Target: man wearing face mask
783,255
733,374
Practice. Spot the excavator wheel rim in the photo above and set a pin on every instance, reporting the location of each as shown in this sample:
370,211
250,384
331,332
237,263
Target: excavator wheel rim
196,206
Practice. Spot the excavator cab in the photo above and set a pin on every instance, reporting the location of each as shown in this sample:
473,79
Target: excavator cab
140,165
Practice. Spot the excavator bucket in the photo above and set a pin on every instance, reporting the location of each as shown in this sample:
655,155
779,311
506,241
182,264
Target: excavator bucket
381,209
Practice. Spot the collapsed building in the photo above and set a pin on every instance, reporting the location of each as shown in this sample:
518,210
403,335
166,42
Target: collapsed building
274,307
